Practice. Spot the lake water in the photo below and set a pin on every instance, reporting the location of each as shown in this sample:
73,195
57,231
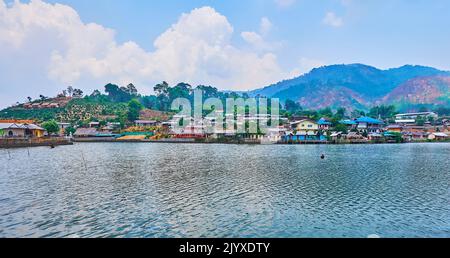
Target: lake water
198,190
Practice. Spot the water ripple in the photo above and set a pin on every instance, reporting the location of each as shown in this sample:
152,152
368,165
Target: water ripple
191,190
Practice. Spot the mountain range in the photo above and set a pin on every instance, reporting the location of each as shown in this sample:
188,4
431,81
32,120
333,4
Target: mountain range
359,86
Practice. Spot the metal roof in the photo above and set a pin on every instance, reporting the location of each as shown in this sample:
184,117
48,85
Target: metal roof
368,120
347,122
20,126
323,121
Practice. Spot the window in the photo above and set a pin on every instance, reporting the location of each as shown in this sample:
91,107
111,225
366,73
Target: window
10,133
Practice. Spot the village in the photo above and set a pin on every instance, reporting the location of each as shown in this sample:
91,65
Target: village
403,128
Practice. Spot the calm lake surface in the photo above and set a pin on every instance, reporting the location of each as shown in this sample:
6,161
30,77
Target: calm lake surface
199,190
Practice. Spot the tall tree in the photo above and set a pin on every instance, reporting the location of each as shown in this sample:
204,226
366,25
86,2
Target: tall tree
162,94
383,111
118,94
209,91
51,127
292,106
70,90
181,90
131,89
134,108
340,113
77,93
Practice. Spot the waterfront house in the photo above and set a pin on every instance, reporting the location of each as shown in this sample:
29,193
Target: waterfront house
306,125
18,130
415,136
437,136
336,136
354,136
305,130
416,128
375,136
63,127
394,128
276,134
369,125
324,124
110,127
86,132
350,124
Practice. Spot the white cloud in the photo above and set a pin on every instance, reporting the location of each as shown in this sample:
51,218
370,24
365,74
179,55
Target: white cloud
285,3
333,20
305,65
265,26
258,43
258,39
51,44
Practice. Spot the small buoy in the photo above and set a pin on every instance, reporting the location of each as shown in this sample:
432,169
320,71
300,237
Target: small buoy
323,156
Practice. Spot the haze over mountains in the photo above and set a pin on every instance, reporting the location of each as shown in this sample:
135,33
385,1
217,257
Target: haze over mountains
359,86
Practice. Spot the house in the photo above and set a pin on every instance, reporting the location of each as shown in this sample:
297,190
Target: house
306,125
336,136
437,136
306,129
94,124
415,136
369,125
145,123
375,136
411,118
63,127
276,134
416,128
394,128
350,124
21,130
324,124
354,136
113,125
86,132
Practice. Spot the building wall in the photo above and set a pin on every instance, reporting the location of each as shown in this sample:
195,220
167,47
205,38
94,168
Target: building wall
38,133
22,133
307,126
15,132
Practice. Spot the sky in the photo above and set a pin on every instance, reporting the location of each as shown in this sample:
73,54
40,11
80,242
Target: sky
47,45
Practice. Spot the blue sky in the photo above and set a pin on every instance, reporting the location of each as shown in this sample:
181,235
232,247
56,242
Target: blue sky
247,44
381,33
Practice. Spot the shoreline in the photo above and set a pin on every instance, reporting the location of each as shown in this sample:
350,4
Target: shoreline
28,143
243,142
49,143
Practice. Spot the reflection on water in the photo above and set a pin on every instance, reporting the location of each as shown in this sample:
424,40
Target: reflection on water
191,190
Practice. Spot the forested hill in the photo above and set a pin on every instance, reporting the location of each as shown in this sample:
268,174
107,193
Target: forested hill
352,87
112,104
358,86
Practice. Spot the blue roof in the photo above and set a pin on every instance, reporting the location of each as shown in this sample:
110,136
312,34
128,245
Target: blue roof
368,120
347,122
323,121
